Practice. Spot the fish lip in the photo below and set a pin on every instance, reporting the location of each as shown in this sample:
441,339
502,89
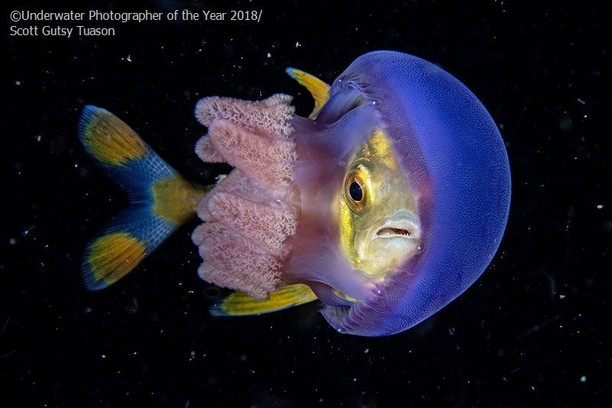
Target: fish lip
402,224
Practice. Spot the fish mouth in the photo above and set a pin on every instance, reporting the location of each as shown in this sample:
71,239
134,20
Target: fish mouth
402,224
390,245
392,232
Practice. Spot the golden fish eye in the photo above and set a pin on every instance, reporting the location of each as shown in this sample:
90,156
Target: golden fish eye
355,191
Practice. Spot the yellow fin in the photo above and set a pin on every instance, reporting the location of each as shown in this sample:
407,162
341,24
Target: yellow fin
111,257
241,304
317,88
109,139
175,199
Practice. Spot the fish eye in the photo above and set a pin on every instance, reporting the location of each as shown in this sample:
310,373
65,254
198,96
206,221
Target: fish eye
355,191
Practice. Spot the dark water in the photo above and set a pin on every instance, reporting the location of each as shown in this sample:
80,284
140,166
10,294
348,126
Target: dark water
533,331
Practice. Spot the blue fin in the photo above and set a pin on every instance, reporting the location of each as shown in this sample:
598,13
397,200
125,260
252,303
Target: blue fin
160,199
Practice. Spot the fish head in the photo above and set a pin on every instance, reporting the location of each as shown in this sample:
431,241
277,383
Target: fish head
379,227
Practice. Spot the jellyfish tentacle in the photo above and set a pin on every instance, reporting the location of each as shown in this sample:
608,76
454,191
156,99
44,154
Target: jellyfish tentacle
268,163
250,213
270,116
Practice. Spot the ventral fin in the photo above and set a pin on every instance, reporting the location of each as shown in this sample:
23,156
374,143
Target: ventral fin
317,88
241,304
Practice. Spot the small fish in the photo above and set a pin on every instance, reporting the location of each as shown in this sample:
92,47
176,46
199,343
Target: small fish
385,204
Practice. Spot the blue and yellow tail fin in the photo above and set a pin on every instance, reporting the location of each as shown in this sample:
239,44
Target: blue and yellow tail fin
160,199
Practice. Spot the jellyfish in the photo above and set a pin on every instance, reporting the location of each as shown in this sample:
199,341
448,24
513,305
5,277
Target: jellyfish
385,204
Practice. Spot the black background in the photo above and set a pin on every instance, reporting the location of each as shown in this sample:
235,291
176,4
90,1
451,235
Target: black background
533,331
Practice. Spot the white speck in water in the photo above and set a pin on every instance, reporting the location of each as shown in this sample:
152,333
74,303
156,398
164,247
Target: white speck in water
366,350
129,58
17,82
451,331
26,231
581,101
297,44
600,206
269,55
583,379
12,241
38,138
561,297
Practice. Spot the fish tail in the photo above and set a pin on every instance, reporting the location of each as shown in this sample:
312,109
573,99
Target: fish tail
160,200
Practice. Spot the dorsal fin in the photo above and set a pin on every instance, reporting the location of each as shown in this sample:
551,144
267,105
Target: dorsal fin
317,88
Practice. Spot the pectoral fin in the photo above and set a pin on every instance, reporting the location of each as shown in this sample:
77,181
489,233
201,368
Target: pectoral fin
241,304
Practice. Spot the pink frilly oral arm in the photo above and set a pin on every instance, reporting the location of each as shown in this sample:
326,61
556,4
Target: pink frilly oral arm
268,161
251,212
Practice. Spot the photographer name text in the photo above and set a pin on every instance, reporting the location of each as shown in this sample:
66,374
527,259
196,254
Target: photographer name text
100,23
